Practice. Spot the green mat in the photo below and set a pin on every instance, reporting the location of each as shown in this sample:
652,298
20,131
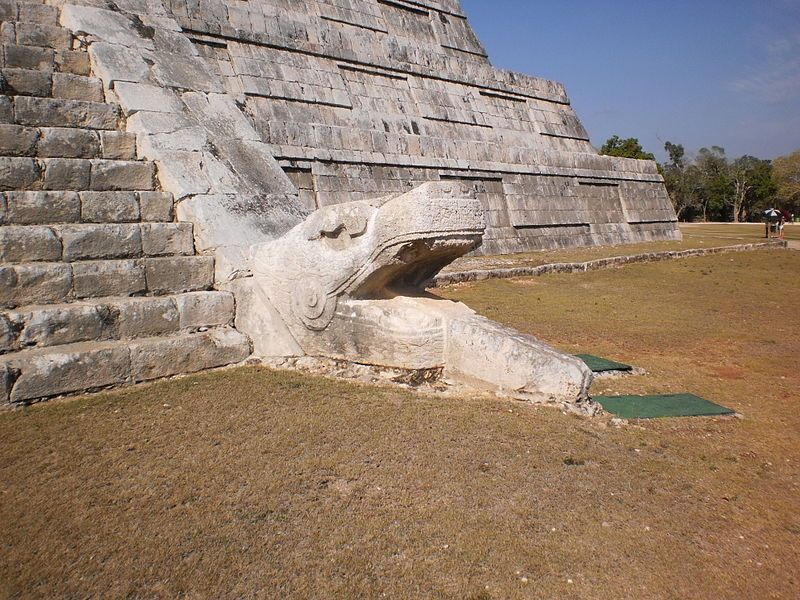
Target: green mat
601,365
653,407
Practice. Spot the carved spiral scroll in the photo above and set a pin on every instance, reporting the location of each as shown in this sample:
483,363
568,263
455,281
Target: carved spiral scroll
313,306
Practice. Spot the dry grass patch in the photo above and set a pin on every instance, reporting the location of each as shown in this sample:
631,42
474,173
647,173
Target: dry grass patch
747,232
251,483
699,235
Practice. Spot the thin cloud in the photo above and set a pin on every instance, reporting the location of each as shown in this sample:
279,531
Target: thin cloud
775,78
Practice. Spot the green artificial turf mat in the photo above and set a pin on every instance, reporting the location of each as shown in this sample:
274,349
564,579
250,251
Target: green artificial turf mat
652,407
601,365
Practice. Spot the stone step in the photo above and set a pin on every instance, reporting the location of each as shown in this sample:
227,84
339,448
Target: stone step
59,112
59,282
47,84
78,174
37,34
28,11
93,241
37,374
48,60
50,207
116,318
66,142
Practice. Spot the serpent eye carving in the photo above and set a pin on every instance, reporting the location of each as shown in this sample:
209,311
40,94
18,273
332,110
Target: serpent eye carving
339,222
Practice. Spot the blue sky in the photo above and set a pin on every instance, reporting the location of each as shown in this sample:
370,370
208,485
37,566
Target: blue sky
698,73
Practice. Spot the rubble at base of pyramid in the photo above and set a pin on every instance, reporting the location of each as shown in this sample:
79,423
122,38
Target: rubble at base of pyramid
178,148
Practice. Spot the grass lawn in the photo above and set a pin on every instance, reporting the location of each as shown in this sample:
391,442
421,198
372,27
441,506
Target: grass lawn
695,235
250,483
747,232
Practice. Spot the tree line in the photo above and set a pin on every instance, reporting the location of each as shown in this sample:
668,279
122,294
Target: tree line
712,187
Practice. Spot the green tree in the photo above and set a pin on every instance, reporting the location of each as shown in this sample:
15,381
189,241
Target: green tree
786,172
753,186
678,178
628,148
712,181
676,154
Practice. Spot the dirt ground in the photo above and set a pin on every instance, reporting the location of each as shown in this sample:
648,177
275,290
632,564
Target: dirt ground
248,483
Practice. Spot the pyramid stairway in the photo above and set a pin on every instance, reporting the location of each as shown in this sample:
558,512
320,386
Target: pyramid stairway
99,286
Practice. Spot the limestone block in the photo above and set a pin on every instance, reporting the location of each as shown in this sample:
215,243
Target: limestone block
223,178
147,122
172,41
8,10
108,278
205,309
160,239
185,72
6,110
16,140
61,324
179,274
155,206
134,97
222,225
6,380
30,208
34,283
112,63
46,36
190,139
88,242
77,367
38,13
19,173
68,142
517,364
139,317
8,33
8,335
256,316
118,145
66,173
152,12
122,175
109,207
73,61
220,115
26,82
182,174
254,162
162,357
55,112
106,26
77,87
28,243
29,57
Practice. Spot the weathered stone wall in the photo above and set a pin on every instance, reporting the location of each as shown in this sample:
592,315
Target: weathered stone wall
363,98
259,112
99,285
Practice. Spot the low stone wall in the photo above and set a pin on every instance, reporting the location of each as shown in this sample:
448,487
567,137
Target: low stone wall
593,265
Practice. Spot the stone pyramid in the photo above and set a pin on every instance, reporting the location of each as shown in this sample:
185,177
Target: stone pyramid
147,146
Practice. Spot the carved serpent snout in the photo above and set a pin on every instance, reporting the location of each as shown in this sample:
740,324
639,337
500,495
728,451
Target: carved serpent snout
361,249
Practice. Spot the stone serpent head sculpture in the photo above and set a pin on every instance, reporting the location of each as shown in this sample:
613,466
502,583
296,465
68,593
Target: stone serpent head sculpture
348,283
